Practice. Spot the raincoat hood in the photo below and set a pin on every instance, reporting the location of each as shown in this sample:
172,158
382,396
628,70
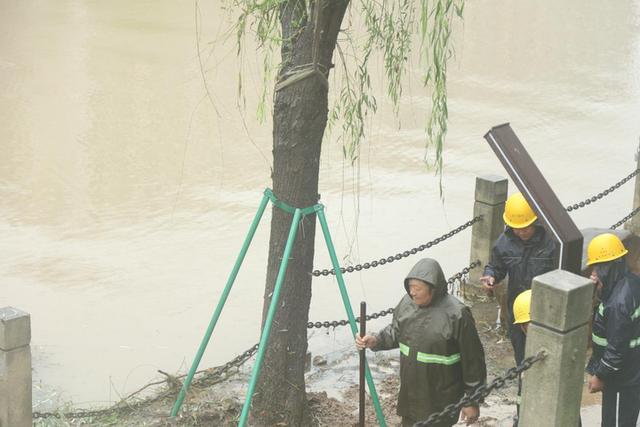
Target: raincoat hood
428,270
610,273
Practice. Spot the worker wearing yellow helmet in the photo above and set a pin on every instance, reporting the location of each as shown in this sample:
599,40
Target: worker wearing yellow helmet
524,250
522,317
522,310
614,366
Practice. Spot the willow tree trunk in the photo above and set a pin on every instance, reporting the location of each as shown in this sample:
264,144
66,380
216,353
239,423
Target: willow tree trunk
300,118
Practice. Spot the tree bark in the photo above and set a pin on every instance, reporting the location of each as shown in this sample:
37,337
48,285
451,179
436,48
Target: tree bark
300,119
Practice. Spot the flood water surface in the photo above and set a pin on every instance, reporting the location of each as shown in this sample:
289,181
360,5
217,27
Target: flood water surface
129,175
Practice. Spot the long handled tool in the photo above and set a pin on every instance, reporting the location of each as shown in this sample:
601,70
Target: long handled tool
363,360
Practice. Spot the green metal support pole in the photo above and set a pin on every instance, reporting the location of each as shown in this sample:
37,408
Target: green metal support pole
223,299
272,309
347,306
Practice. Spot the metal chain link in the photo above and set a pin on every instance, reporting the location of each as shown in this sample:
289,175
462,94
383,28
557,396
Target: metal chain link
600,195
453,410
400,255
625,219
335,323
125,406
460,276
119,407
79,414
235,362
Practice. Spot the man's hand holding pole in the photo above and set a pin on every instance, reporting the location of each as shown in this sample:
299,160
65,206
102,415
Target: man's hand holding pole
488,283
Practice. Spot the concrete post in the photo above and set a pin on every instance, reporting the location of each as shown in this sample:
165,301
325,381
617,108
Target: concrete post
560,313
633,225
490,195
15,368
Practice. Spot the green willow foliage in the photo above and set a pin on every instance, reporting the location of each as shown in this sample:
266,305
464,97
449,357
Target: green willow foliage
389,26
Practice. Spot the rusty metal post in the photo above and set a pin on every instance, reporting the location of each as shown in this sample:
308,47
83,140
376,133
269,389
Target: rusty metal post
363,359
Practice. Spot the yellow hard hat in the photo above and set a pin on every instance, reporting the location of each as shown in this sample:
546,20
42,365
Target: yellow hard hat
517,212
605,247
522,307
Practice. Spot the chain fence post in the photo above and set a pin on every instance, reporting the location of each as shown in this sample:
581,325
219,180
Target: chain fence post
560,313
15,368
633,225
490,196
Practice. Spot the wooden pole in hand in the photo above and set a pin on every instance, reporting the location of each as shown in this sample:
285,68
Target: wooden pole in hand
363,332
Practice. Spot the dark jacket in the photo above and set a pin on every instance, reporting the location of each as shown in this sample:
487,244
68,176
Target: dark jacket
441,356
521,261
616,328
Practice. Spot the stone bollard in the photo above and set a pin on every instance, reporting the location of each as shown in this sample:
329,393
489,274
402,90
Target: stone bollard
15,368
560,314
490,195
633,225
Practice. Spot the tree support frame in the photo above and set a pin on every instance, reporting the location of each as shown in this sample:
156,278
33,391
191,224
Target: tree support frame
298,214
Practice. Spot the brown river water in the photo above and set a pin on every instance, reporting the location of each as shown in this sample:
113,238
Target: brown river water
129,175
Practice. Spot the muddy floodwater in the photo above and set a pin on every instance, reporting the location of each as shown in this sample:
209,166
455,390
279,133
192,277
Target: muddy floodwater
130,171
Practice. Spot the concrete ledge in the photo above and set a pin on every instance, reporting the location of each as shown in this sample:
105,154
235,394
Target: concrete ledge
15,328
551,294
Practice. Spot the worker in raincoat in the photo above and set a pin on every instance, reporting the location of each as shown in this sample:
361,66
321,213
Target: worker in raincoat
523,251
441,357
614,366
522,318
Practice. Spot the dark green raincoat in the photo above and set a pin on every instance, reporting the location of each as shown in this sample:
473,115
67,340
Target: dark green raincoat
441,356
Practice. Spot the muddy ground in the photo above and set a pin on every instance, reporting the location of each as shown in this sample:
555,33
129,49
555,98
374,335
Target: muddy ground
332,389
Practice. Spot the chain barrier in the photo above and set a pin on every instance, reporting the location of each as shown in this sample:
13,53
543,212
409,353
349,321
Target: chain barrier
400,255
121,407
625,219
81,413
460,277
453,410
234,363
217,372
450,282
125,407
335,323
600,195
449,411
